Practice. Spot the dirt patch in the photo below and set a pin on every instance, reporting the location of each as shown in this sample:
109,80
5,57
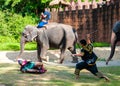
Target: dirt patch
102,53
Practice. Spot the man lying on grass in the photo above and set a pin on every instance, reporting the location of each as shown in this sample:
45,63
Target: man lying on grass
31,67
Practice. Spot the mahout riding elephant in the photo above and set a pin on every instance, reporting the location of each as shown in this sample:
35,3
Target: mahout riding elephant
115,37
56,35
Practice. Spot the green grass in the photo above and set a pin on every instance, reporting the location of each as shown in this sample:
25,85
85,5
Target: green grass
16,46
97,44
56,76
32,46
101,44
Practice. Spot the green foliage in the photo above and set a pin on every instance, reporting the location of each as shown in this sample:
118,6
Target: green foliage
45,1
82,0
8,39
25,6
9,46
12,24
16,46
14,2
31,46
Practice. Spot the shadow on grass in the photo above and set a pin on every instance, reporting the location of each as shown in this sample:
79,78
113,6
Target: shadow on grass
56,76
32,55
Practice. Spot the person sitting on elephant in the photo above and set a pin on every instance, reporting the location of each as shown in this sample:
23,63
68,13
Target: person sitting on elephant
88,59
44,18
27,66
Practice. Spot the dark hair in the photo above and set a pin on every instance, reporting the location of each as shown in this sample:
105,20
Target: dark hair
83,41
43,10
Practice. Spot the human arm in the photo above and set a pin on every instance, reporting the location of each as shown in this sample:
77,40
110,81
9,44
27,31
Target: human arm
89,46
79,54
32,71
42,16
88,39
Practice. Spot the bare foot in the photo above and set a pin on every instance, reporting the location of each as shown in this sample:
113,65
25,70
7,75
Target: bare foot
46,59
106,78
77,77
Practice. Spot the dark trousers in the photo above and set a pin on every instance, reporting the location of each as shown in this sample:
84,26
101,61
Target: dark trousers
41,24
83,65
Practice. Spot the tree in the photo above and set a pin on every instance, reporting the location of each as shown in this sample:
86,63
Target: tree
25,6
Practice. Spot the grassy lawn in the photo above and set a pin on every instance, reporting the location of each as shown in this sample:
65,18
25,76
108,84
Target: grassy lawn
32,45
56,76
16,46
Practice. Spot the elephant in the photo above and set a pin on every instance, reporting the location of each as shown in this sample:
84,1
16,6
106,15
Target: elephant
54,35
115,37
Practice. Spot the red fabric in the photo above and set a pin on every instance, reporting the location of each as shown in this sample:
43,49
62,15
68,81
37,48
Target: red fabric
24,62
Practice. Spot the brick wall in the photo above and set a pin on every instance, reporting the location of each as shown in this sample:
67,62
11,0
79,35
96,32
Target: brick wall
97,19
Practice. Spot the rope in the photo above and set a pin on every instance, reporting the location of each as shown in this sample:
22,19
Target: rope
93,32
90,40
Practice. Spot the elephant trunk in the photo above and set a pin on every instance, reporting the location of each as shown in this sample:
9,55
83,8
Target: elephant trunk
113,45
112,51
22,44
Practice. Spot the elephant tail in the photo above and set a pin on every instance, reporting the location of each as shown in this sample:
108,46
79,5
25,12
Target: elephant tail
76,35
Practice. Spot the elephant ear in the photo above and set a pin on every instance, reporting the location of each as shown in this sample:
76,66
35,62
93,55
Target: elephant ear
43,38
31,32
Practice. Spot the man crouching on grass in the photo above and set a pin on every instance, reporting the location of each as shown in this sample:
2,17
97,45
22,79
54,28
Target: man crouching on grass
88,59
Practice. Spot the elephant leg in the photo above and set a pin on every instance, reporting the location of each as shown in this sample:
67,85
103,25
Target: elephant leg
38,52
73,51
62,55
43,53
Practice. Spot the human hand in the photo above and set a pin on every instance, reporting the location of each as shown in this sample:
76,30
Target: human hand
41,14
73,55
28,60
88,35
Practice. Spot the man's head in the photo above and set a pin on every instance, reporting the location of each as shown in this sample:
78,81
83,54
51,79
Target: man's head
45,9
83,42
22,62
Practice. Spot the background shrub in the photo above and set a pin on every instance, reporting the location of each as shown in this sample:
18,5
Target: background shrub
11,24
